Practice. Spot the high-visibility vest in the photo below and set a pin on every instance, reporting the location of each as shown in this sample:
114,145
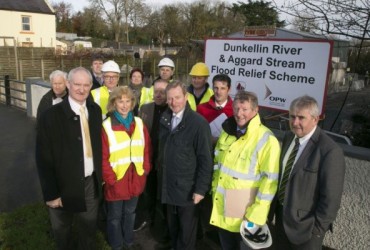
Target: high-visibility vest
205,98
125,150
101,97
146,95
247,167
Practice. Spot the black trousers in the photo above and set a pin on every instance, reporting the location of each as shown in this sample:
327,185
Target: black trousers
281,241
182,223
85,222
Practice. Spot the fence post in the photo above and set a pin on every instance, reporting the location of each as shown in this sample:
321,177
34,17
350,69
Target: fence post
7,90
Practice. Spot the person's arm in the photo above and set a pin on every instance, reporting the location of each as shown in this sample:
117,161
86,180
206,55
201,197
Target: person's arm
331,180
147,165
109,176
204,161
45,161
268,163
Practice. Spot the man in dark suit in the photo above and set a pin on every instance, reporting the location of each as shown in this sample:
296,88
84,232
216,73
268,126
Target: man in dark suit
149,206
311,180
68,157
97,62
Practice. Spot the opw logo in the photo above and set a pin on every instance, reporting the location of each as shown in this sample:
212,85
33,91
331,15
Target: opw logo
274,100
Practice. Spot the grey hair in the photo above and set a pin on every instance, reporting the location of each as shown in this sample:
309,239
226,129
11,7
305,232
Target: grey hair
305,102
58,73
72,72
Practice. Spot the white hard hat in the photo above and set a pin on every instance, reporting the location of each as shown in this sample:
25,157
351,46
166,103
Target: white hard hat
166,62
260,239
111,66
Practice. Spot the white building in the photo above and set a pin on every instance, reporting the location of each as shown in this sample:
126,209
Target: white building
27,23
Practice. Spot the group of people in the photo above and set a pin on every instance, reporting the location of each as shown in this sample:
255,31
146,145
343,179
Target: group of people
183,159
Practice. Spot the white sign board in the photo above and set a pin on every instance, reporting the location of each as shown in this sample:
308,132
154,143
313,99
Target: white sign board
278,71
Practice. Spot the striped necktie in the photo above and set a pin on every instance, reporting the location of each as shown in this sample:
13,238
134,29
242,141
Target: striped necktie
287,170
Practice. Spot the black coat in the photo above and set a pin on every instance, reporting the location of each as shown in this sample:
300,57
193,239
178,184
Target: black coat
60,157
45,103
185,158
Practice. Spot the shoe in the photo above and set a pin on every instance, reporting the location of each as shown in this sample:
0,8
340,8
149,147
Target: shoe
141,226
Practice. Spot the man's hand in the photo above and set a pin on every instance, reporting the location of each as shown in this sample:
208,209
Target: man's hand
197,198
55,203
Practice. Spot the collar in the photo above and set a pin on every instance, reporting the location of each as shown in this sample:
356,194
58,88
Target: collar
303,140
179,115
75,106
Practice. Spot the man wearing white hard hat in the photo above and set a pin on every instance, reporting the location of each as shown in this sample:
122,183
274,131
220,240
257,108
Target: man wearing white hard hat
166,69
111,73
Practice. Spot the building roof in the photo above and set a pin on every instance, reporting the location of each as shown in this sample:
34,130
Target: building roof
34,6
290,34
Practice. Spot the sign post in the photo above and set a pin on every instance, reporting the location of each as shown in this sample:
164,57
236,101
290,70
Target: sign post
278,71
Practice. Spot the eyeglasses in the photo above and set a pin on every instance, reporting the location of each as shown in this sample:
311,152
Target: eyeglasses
110,78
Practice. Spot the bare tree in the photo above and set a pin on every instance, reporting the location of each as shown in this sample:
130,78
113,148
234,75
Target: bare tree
348,18
118,13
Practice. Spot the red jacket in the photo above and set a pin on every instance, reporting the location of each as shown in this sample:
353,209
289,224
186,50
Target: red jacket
209,111
131,184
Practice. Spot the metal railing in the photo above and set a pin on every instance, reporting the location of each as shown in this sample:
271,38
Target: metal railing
13,92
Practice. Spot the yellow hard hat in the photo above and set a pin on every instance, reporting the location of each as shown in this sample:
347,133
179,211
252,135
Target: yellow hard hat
199,69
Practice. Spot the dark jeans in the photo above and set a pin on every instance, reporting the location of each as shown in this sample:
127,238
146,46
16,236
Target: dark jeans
231,241
61,222
182,223
120,222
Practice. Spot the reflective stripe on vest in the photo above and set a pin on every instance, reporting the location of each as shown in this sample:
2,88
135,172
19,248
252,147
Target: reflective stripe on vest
124,150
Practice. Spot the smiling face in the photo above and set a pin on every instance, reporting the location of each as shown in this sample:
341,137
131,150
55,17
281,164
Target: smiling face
176,99
302,122
111,80
79,86
123,105
243,112
136,78
221,91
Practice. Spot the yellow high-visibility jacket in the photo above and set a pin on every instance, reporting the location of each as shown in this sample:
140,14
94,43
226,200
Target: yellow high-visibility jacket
191,99
146,95
101,97
245,176
124,150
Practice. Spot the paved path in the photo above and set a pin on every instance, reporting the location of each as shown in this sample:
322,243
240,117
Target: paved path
19,183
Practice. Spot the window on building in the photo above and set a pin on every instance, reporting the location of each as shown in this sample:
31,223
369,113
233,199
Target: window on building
26,23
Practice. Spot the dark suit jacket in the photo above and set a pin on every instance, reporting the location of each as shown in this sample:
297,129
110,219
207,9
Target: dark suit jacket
59,154
146,113
96,83
313,192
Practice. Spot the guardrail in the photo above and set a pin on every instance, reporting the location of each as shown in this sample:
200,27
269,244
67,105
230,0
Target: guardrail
13,92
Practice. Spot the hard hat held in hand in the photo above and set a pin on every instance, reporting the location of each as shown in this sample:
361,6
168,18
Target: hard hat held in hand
166,62
199,69
111,66
260,237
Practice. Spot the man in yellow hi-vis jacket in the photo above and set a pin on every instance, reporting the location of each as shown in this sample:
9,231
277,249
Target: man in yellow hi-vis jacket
245,173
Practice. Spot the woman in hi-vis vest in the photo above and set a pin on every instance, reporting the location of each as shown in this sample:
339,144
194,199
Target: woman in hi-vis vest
126,163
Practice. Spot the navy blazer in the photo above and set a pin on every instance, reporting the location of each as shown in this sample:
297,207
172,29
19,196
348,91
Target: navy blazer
314,189
60,157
